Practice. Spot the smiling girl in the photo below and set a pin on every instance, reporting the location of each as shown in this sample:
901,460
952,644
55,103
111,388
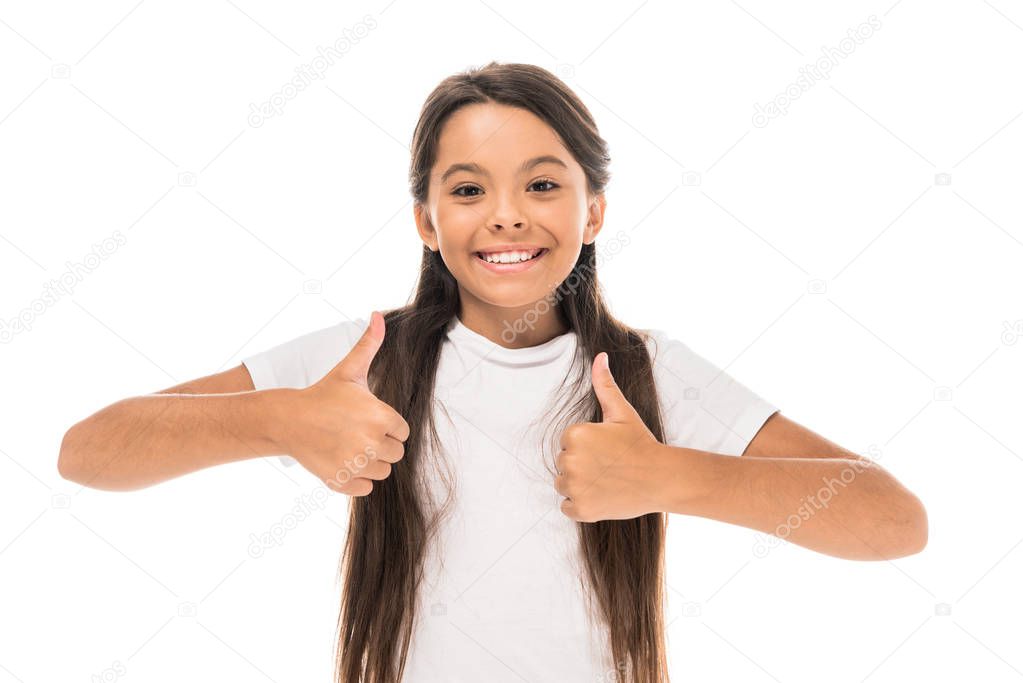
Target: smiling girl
511,449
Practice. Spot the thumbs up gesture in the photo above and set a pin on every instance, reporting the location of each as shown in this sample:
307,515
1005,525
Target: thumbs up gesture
338,430
608,469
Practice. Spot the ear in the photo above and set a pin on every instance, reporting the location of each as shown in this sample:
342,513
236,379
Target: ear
424,226
595,218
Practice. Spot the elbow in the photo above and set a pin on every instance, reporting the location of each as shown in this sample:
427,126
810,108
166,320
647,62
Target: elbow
67,462
911,531
902,534
917,536
78,462
73,461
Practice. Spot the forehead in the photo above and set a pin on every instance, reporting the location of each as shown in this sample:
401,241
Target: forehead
497,137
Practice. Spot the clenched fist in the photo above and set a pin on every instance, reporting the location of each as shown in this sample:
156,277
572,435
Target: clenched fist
338,430
608,469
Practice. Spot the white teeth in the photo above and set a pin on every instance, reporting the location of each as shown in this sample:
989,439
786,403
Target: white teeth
510,256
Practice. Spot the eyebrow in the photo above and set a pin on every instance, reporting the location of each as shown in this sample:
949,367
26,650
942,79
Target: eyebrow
526,165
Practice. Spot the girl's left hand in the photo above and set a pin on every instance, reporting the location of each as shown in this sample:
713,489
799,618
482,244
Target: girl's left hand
610,469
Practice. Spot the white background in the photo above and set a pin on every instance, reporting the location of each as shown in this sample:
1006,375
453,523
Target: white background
819,259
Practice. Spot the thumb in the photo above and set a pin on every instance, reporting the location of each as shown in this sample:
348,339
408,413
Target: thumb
354,367
613,404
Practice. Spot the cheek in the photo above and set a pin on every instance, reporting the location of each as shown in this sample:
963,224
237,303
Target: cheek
565,262
455,226
561,217
450,214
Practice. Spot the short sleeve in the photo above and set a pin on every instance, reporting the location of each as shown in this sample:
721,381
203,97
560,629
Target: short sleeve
702,406
305,360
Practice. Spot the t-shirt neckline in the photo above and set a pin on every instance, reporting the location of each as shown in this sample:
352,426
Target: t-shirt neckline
530,355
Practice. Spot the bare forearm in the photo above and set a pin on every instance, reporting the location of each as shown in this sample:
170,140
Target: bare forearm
143,440
852,509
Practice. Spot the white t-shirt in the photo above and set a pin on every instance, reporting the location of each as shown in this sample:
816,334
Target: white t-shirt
508,603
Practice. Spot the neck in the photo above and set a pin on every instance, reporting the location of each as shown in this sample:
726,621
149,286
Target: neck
514,328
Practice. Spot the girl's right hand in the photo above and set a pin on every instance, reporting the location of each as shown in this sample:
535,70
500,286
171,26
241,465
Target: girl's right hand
338,430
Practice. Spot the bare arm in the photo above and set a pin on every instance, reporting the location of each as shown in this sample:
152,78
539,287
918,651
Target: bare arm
790,482
143,440
336,428
795,484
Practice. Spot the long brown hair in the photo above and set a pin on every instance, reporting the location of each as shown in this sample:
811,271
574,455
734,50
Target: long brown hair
390,529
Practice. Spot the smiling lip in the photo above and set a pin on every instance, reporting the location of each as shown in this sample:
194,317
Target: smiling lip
511,246
510,267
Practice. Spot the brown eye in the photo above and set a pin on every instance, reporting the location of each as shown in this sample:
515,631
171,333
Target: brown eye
545,181
457,191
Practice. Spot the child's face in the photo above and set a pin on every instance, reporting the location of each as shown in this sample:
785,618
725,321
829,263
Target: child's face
547,205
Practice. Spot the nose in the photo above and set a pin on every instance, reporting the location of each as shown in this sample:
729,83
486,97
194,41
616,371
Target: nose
506,214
